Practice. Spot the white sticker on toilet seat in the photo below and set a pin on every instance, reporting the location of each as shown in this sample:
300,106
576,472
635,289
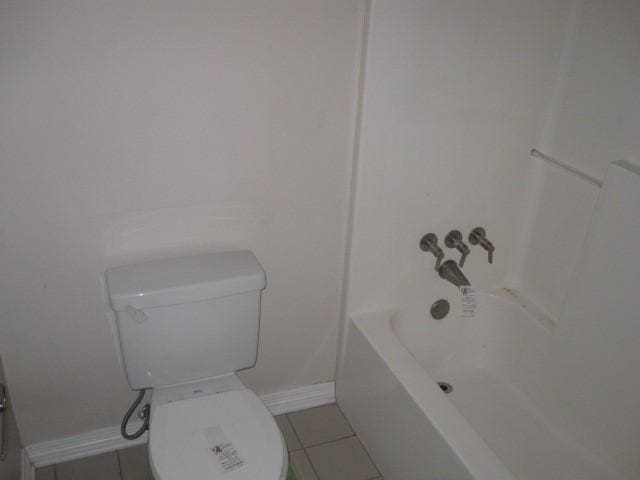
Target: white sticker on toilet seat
226,454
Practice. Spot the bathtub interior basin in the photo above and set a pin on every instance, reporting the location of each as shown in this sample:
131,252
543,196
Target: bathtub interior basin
517,408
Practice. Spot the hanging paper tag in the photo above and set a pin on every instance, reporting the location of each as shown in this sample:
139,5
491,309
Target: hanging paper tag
227,456
467,301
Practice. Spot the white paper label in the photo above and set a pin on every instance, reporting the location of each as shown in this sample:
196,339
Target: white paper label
227,456
467,301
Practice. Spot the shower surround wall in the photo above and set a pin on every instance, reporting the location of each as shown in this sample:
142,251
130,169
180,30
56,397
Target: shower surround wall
453,100
455,96
591,119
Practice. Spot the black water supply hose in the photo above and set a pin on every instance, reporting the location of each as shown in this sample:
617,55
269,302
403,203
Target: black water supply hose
144,415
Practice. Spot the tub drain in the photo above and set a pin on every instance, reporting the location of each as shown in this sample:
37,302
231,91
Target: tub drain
445,387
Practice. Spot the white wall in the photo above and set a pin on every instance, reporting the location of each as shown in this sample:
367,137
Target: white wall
596,120
139,129
592,119
452,104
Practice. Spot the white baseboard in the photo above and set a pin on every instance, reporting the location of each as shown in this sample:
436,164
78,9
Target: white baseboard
109,439
300,398
27,469
82,445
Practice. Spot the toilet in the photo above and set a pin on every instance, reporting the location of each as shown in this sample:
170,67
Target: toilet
186,326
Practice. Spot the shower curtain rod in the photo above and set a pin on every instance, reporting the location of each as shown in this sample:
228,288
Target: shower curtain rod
566,167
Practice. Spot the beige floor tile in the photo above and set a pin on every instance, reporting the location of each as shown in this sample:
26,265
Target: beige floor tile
134,463
320,425
301,466
100,467
46,473
342,460
290,436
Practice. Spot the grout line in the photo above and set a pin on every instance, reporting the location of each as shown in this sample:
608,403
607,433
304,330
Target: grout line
363,447
295,432
345,417
304,447
370,458
313,467
119,465
360,441
330,441
288,420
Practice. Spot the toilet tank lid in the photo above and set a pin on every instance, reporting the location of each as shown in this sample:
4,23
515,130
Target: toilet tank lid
183,280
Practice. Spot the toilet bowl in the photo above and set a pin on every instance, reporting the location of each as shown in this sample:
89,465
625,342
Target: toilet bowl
213,430
185,326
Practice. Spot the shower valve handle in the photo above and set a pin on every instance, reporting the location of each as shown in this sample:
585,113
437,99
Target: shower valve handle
478,236
454,240
429,243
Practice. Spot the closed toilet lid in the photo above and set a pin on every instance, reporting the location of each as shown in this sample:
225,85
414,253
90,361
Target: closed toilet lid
225,436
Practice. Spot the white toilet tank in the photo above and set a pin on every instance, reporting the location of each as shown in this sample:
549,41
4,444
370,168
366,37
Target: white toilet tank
187,318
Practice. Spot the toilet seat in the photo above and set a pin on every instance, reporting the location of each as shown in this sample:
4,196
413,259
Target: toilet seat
221,436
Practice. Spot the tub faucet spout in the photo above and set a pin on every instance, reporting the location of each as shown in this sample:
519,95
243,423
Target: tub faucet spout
451,272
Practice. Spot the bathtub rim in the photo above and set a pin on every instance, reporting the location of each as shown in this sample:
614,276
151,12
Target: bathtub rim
468,446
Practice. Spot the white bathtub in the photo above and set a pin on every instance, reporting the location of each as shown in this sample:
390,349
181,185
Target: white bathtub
499,422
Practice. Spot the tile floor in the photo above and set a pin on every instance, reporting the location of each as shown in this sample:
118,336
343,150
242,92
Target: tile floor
321,443
322,446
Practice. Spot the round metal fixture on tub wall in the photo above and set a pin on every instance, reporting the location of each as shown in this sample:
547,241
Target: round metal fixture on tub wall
445,387
440,309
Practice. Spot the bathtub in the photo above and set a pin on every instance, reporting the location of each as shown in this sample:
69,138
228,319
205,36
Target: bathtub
499,422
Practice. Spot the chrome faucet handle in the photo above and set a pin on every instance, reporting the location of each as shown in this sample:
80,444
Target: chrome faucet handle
479,236
454,240
429,243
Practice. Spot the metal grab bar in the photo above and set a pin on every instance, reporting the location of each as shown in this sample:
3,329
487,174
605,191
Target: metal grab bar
566,167
3,413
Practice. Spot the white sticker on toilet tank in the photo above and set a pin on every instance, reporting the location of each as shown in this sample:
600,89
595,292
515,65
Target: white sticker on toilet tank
467,301
226,454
